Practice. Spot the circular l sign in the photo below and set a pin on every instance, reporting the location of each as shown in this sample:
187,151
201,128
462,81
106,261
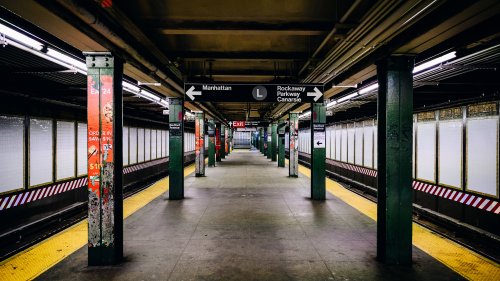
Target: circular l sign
259,93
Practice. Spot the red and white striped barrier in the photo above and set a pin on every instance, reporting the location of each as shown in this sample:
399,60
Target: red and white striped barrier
475,201
14,200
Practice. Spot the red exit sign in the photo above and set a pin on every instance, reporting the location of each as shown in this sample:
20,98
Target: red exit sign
238,124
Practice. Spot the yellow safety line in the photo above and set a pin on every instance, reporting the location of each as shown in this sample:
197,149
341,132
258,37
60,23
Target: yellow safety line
35,260
455,256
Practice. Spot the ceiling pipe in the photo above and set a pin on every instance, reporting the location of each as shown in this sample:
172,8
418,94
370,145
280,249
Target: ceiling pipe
330,35
90,19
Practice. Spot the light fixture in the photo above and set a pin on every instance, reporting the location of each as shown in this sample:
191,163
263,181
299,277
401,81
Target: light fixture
76,64
348,97
434,62
368,89
330,104
305,114
25,43
11,34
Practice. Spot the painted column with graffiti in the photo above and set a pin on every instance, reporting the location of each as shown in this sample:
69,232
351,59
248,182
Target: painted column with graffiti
294,145
104,132
200,144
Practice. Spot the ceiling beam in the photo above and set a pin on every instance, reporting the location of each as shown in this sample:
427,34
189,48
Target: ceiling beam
191,56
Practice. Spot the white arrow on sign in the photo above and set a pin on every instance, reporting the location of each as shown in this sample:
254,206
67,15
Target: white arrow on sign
191,93
316,94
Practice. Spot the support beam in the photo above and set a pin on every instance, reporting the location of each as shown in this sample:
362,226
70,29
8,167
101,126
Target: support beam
105,158
226,142
200,144
218,139
222,148
293,168
281,144
274,141
268,141
318,151
211,143
261,140
395,111
176,149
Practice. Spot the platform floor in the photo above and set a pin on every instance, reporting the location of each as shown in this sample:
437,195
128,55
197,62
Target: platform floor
247,220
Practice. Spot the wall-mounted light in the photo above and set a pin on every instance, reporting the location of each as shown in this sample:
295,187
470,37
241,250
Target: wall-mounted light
368,89
348,97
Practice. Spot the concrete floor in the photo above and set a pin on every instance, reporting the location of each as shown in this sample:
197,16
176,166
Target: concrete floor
248,221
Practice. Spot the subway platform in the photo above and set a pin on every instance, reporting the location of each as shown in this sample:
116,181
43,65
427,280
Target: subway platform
247,220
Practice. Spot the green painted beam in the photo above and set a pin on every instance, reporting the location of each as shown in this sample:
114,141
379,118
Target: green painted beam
199,124
268,142
211,143
318,151
293,167
395,131
105,120
274,141
176,149
281,144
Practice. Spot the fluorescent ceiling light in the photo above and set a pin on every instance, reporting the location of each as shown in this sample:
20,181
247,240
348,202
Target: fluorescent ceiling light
434,62
20,38
330,104
163,103
149,95
350,96
67,59
307,113
368,89
131,87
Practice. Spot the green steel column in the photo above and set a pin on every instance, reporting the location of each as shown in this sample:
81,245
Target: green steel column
268,141
274,141
176,146
281,144
211,143
105,158
222,150
395,111
293,167
218,142
261,137
318,149
199,133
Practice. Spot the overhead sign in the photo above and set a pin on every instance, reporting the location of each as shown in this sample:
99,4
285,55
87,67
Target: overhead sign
284,93
238,124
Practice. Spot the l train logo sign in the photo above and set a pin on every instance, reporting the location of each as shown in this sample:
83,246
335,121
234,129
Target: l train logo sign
283,93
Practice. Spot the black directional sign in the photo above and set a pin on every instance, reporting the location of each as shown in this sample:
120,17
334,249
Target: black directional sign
286,93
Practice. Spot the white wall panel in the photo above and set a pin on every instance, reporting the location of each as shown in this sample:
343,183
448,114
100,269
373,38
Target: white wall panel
147,144
41,151
338,142
11,153
153,144
482,155
350,145
426,151
450,153
358,146
343,150
133,145
158,143
125,146
375,147
65,150
328,142
140,145
368,146
81,150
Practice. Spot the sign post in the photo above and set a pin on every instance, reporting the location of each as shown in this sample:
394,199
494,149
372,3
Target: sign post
281,144
176,147
318,151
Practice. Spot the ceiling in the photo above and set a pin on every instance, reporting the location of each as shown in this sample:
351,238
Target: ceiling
300,41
